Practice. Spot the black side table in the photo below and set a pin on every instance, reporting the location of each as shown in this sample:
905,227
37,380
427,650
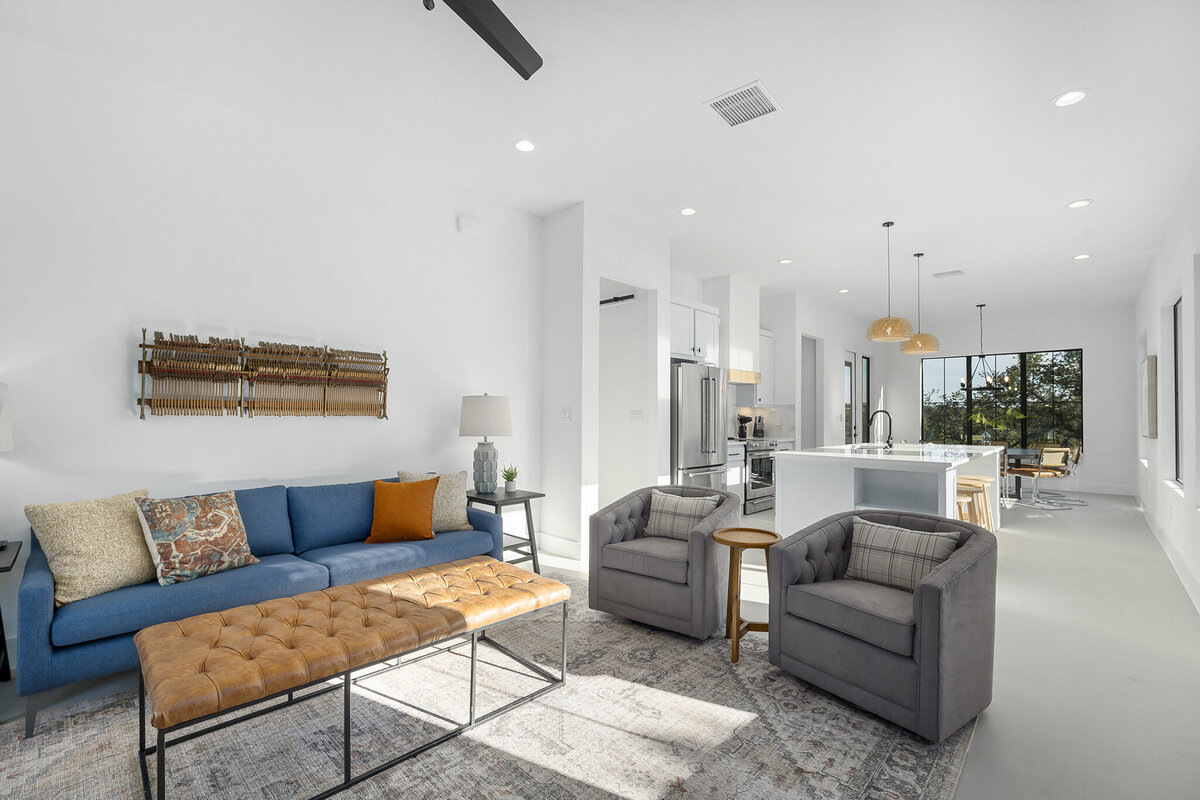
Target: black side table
8,557
499,500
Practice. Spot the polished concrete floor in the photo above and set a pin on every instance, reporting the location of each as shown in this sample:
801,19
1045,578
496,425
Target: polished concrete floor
1097,671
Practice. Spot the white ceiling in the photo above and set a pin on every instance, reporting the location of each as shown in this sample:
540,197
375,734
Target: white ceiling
937,115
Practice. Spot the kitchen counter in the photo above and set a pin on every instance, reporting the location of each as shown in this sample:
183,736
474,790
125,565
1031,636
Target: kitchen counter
815,483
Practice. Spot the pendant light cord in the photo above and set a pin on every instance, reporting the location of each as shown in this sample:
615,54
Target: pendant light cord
889,267
918,255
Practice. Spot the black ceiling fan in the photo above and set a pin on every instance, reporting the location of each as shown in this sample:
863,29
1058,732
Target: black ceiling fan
494,28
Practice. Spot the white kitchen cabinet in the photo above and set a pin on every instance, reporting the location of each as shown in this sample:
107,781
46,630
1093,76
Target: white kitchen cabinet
695,333
708,336
766,368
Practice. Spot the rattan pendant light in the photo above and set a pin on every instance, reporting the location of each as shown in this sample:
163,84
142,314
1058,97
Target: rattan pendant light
920,343
889,328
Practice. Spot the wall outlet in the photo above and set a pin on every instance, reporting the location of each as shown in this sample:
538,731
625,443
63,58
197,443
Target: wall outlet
564,415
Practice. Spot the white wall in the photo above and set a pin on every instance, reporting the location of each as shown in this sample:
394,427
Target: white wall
582,245
686,287
628,374
1172,510
126,203
1104,334
794,315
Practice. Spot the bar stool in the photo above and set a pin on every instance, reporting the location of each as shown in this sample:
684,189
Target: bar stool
976,487
966,507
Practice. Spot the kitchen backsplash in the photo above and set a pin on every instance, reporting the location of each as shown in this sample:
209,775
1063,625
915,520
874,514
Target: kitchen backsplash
779,422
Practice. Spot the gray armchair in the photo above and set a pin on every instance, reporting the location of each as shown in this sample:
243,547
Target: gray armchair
669,583
922,659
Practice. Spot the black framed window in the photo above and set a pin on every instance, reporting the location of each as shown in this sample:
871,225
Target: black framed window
865,400
1177,366
1030,398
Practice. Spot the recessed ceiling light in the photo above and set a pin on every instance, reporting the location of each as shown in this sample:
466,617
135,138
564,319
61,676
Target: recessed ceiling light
1086,201
1070,98
785,261
1083,256
843,291
524,145
687,212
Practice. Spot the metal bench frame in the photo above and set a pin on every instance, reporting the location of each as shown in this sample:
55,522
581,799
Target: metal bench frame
473,638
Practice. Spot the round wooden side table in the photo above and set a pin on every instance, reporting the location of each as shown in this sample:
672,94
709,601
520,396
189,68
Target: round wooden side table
737,540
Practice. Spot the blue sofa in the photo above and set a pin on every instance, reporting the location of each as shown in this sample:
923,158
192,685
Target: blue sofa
305,538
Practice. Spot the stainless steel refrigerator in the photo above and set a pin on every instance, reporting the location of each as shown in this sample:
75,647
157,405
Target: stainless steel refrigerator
698,449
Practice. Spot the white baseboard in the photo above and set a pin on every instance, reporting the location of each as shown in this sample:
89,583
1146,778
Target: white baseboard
551,545
1191,583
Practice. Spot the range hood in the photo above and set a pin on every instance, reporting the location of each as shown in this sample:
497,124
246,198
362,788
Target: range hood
744,376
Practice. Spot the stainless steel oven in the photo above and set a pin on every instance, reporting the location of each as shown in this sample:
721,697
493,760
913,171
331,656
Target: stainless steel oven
760,475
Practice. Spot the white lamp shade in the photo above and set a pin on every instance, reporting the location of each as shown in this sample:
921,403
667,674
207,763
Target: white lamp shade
485,415
6,442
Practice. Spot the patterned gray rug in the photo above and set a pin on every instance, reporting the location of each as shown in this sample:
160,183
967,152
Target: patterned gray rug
644,714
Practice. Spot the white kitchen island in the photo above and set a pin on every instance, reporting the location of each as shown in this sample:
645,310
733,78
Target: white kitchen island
812,484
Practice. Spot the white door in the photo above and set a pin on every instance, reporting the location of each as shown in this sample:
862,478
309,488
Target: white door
708,336
683,332
850,396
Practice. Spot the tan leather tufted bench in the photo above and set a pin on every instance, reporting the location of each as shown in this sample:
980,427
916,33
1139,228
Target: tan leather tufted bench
213,663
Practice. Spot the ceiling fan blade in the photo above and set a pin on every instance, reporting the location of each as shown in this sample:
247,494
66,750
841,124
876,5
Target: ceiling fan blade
494,28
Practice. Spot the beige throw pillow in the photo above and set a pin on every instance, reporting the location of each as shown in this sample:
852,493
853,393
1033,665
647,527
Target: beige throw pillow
896,557
449,499
93,546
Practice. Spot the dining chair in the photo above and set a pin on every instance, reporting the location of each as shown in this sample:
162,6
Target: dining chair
1068,472
1052,463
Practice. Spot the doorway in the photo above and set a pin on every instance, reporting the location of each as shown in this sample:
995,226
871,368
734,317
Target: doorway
850,396
811,394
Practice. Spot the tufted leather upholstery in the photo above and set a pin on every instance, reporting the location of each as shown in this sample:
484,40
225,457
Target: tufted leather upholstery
212,662
636,581
921,659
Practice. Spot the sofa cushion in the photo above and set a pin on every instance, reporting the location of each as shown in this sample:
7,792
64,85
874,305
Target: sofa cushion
880,615
136,607
652,556
265,514
92,546
190,537
896,557
674,516
337,513
356,561
403,511
449,500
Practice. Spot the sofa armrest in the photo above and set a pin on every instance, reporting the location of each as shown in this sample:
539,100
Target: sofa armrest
955,612
492,523
35,612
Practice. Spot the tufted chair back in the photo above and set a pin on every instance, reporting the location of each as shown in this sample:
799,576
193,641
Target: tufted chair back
628,517
829,546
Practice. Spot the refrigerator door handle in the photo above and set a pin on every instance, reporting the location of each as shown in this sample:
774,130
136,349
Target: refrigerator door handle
705,413
695,473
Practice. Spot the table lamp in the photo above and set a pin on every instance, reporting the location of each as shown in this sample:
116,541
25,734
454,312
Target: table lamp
485,415
6,440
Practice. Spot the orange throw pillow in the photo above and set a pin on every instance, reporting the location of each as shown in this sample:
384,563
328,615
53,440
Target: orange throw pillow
403,511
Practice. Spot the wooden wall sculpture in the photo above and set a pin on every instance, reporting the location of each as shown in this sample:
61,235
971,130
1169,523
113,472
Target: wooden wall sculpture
224,377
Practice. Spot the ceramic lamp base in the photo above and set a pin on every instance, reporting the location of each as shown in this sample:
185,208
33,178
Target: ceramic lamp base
485,468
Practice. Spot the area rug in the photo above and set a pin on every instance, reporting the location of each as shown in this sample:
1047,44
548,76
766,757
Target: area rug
644,714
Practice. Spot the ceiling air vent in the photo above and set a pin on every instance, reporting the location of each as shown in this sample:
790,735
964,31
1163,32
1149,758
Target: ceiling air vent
950,273
744,104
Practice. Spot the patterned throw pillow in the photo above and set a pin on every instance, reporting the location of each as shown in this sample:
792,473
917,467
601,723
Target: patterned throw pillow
193,536
92,546
674,516
449,501
896,557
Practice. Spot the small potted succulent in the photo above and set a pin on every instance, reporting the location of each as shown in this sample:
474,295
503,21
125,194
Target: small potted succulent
510,478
